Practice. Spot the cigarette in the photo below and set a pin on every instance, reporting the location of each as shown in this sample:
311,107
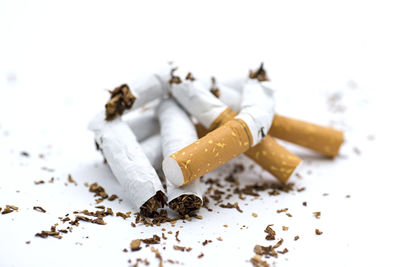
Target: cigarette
129,164
177,132
229,139
152,149
143,123
324,140
128,97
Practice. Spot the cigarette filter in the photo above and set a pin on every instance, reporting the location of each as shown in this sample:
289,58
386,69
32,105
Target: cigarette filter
128,162
324,140
177,132
208,108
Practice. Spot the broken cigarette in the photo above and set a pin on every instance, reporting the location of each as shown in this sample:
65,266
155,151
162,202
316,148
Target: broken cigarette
232,138
177,132
128,97
324,140
129,164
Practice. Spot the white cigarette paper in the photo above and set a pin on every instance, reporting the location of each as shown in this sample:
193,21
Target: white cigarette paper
257,108
126,159
177,132
153,151
143,123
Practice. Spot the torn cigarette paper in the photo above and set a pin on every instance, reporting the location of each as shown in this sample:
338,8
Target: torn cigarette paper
126,159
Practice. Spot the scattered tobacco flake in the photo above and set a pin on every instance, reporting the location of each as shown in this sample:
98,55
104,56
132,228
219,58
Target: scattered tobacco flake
189,77
174,79
260,74
347,196
357,150
282,210
231,206
163,236
180,248
121,98
271,233
288,214
27,242
186,204
98,190
51,180
152,240
284,251
285,228
317,214
214,89
71,180
37,208
201,255
123,215
9,209
39,182
206,201
255,215
258,262
298,175
25,154
158,256
176,236
325,194
135,245
296,238
219,238
133,224
305,203
150,207
318,232
225,225
301,189
205,242
53,233
100,207
112,197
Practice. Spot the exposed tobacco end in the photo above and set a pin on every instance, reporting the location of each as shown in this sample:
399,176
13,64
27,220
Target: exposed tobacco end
190,77
260,74
186,204
121,99
174,78
150,207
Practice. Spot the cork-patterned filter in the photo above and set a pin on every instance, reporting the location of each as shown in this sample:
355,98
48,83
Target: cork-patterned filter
270,155
319,138
212,150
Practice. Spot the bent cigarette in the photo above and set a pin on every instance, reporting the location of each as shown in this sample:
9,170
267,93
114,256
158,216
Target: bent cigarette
129,164
128,97
143,123
231,139
178,131
324,140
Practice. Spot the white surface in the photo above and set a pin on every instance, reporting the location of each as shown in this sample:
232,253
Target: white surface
56,60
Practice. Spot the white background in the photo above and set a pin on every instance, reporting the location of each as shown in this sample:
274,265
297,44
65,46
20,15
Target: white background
58,58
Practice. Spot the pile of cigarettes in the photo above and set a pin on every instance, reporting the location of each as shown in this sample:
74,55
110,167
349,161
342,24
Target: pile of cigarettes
179,128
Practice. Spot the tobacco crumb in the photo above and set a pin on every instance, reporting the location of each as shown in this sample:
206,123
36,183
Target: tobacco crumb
51,180
152,240
27,242
357,150
318,232
39,182
278,244
98,190
258,262
301,189
260,74
121,99
285,228
37,208
305,203
271,233
133,224
225,225
190,77
186,204
284,251
163,236
296,238
201,255
325,194
158,256
123,215
135,245
112,197
176,236
288,214
25,154
180,248
255,215
205,242
174,78
231,206
317,214
9,209
71,180
282,210
219,238
348,196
